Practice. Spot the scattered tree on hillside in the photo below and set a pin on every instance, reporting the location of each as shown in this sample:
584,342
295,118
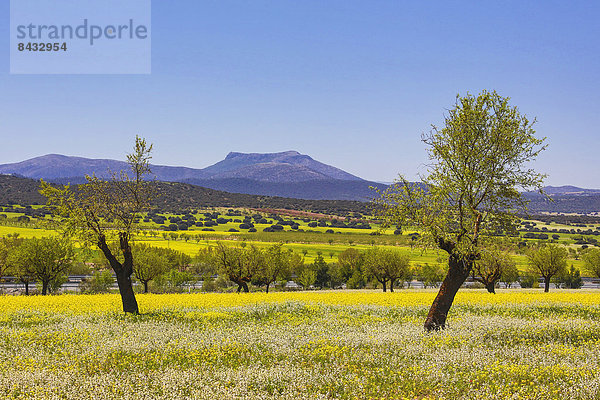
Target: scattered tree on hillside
102,211
480,162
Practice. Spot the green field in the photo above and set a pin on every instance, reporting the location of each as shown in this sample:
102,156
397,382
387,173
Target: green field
308,241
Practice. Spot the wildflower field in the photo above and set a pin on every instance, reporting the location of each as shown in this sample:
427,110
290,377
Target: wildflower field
517,344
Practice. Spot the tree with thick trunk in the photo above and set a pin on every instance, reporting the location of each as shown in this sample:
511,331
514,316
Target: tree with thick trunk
471,190
102,212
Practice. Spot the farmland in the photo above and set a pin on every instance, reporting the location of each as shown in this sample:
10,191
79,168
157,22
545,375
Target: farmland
358,344
329,240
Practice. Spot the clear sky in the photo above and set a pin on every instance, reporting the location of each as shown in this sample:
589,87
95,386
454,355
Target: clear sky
350,83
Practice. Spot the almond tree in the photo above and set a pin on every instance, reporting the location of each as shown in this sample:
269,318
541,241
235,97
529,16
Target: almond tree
490,268
548,261
240,265
45,259
480,161
386,265
104,211
591,261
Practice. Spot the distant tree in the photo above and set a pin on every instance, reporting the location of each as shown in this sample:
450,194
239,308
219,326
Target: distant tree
569,279
548,261
528,280
490,267
510,275
431,274
307,277
100,282
472,188
148,264
386,265
278,264
102,211
591,261
239,265
45,259
350,261
322,278
8,245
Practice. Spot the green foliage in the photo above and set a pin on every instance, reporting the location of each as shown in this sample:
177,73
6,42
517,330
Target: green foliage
321,269
591,261
356,281
8,245
386,265
173,281
510,274
528,280
46,260
472,188
100,282
240,265
491,266
307,278
548,261
569,279
431,274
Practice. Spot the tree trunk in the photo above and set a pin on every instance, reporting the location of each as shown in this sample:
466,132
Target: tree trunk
384,283
458,271
392,285
127,294
491,287
26,288
245,287
122,271
546,284
268,287
145,286
45,287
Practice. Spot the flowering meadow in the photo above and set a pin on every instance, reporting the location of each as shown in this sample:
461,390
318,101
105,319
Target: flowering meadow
517,344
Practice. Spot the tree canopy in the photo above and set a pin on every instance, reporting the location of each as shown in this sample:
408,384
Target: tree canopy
103,211
480,161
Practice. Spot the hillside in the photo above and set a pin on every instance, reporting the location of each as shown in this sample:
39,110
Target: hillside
175,196
285,174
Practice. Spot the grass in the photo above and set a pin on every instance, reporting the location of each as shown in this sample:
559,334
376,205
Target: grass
311,345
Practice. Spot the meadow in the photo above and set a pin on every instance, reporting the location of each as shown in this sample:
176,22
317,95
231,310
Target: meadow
517,344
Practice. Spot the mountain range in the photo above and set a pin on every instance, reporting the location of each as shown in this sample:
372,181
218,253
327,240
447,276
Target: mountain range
285,174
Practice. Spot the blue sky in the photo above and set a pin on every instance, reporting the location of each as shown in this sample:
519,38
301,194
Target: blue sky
351,83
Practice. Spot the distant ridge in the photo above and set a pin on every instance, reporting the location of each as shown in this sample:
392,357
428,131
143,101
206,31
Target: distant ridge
286,174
